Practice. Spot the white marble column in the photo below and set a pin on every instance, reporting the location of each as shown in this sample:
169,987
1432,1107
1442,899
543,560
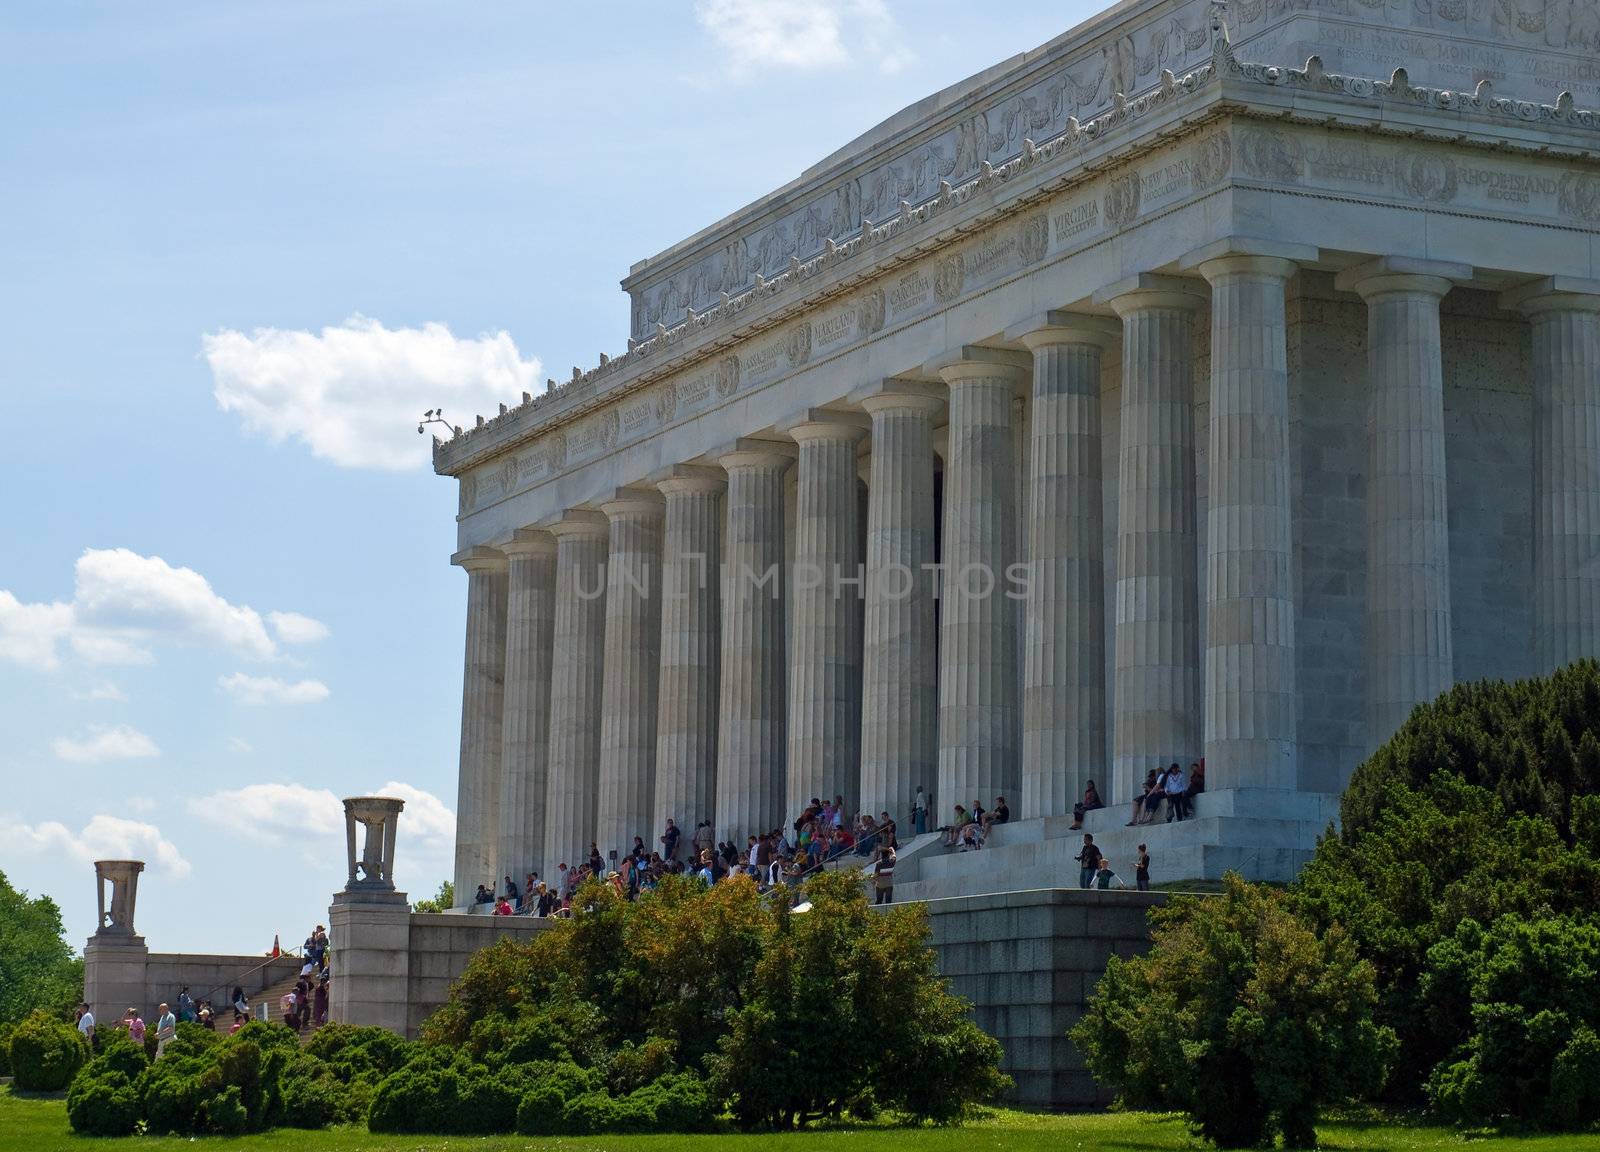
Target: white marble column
750,723
627,786
576,683
525,743
825,644
1408,541
978,726
1063,685
691,651
1564,315
482,704
900,686
1249,657
1157,659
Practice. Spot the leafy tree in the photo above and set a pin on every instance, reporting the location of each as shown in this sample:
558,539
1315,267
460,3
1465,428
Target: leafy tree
1480,807
37,968
442,901
693,997
1241,1016
1533,1055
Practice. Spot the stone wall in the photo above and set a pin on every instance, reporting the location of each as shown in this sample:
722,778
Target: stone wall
441,946
1028,961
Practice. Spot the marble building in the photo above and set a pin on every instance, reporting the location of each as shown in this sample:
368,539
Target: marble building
1209,382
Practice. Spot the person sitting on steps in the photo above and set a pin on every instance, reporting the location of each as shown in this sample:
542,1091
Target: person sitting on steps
1091,800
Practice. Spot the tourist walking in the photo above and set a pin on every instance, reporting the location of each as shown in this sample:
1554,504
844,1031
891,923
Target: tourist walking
1088,862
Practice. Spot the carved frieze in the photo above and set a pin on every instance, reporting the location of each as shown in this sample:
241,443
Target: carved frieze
1034,238
1578,196
667,401
797,345
1213,156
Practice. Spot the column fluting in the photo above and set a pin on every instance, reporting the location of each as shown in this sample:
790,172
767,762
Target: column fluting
1564,316
824,722
1064,686
978,726
1249,658
576,685
691,650
900,685
525,743
627,785
752,704
1409,658
1157,658
482,706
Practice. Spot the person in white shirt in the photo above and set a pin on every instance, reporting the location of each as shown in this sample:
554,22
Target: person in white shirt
166,1029
86,1023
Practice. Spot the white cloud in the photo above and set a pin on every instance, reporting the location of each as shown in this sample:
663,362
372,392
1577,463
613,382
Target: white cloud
106,690
258,690
102,744
293,628
313,819
274,812
239,745
102,838
353,392
804,35
123,603
130,597
29,632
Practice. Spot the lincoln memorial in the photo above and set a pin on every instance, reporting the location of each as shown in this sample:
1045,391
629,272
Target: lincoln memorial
1208,383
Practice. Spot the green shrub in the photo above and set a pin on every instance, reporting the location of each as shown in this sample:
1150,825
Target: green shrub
45,1053
226,1114
312,1095
677,1102
103,1105
118,1053
5,1048
592,1113
1240,1016
171,1093
539,1110
458,1098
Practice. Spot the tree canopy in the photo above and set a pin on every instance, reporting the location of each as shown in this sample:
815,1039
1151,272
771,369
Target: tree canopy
37,966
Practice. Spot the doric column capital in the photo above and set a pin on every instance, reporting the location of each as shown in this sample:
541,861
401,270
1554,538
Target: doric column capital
971,362
1248,256
1553,294
743,453
579,522
823,424
687,478
1055,328
633,502
529,542
1151,290
1388,274
480,558
895,395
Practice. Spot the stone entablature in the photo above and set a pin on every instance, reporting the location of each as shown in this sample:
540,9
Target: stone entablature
1540,47
1050,213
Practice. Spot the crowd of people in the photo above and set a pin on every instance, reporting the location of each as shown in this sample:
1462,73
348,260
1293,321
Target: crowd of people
823,832
305,1005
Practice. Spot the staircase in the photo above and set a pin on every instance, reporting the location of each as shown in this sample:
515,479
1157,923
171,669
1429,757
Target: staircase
270,997
1264,834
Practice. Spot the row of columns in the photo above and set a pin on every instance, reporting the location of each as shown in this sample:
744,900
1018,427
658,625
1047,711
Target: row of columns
667,691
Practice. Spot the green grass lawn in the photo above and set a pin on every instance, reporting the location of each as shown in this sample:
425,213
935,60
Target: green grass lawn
39,1124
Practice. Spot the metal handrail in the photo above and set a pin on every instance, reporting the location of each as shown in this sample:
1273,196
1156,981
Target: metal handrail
238,981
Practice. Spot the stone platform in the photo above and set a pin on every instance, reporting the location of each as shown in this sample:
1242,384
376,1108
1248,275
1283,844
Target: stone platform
1264,834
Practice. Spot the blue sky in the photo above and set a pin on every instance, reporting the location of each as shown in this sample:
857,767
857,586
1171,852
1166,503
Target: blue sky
244,246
